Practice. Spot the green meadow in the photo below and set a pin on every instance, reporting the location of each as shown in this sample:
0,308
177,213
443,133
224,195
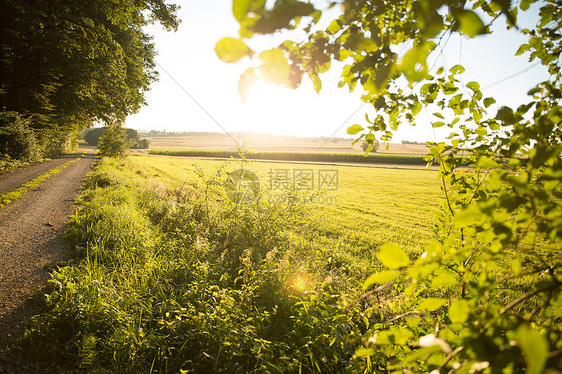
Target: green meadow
370,206
172,274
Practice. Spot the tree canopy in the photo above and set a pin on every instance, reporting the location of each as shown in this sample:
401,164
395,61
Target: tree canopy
486,294
70,64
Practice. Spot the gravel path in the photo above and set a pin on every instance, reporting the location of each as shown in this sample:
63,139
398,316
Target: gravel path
31,238
11,181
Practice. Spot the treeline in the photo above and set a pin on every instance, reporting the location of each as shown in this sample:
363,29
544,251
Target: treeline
304,156
132,137
68,65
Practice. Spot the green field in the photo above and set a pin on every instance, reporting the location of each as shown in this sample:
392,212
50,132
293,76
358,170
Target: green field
173,275
371,206
305,156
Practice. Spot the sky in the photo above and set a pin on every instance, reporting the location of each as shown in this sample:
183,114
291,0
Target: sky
198,92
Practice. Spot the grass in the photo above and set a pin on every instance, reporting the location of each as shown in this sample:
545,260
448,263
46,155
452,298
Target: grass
172,276
372,205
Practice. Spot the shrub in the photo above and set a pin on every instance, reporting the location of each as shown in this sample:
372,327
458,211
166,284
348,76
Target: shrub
17,138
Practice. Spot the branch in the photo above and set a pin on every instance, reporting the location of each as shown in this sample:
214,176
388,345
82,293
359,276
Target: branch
450,357
528,295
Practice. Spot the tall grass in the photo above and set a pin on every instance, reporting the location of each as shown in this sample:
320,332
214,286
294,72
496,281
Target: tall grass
176,277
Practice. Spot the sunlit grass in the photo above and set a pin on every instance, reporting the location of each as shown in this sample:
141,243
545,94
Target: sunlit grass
371,206
172,275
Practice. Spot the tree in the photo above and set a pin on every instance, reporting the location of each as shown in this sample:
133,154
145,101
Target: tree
68,65
132,137
113,142
486,294
92,137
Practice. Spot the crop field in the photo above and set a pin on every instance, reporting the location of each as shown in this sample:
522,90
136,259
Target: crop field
271,143
175,276
336,157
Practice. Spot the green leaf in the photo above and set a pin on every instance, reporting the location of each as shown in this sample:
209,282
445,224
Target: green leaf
316,82
534,347
414,63
354,129
381,277
334,27
413,322
437,114
516,265
459,311
522,49
438,124
489,101
468,216
506,115
231,50
395,335
457,69
486,163
392,256
364,352
275,68
443,279
474,86
241,8
431,304
469,23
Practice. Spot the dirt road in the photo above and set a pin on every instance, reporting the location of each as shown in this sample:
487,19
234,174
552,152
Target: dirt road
31,237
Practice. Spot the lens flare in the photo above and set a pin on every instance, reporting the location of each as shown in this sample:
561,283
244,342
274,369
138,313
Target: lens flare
300,283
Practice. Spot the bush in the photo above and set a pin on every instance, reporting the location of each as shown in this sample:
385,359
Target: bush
17,138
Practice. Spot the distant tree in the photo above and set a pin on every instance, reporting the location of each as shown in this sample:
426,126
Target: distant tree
92,137
113,141
132,137
142,144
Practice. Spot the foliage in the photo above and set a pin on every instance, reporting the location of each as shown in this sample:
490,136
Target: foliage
367,148
17,139
113,142
92,137
69,65
175,276
304,156
486,295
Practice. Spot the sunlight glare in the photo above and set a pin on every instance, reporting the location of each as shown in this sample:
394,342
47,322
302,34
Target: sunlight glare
300,283
273,109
